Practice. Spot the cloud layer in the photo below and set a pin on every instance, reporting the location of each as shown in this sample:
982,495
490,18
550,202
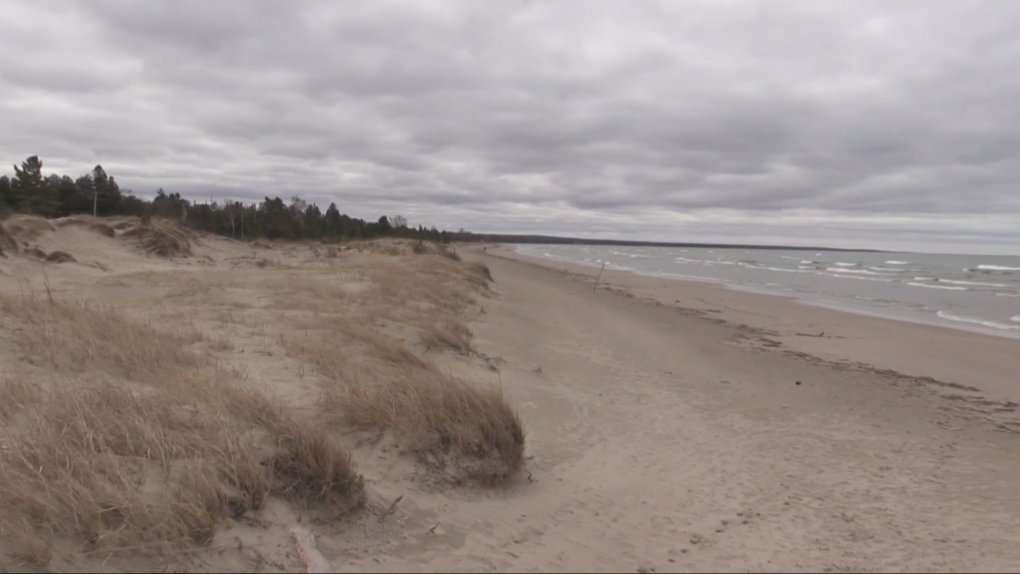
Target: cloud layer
878,123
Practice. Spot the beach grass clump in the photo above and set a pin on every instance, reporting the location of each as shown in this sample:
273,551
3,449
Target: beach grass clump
124,440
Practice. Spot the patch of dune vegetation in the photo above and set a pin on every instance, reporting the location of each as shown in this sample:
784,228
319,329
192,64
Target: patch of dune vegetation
377,382
126,441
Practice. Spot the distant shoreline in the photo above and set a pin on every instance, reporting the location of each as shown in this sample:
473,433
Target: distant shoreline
553,240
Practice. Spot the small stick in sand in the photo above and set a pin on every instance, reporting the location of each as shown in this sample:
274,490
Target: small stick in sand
304,541
391,509
599,277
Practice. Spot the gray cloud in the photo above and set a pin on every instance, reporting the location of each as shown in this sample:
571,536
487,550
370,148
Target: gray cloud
854,122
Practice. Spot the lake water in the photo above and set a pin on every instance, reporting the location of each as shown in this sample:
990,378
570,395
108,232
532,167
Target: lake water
974,292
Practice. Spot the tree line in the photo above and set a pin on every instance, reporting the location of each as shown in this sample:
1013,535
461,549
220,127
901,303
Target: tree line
97,193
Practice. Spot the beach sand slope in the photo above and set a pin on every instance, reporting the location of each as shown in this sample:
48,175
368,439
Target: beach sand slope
660,441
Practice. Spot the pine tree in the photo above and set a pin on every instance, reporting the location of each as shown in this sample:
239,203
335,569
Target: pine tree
30,191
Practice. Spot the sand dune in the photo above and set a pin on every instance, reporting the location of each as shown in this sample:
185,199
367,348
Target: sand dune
367,400
185,402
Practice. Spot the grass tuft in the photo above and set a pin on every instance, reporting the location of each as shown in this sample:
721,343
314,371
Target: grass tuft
440,417
448,333
154,456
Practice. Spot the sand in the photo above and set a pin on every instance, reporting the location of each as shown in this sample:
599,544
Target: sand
670,432
671,426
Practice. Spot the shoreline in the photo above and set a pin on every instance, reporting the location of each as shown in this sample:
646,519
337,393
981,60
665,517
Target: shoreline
957,357
817,300
683,427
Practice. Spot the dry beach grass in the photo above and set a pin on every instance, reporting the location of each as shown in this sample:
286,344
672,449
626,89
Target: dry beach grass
133,431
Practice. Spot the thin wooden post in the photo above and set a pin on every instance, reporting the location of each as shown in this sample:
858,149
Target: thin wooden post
599,277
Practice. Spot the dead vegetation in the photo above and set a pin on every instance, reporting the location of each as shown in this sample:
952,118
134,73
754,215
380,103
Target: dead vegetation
448,333
162,238
93,224
8,244
73,337
28,227
466,429
52,257
376,382
127,442
124,431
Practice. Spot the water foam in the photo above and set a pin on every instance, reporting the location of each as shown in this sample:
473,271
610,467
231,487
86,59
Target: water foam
844,264
860,271
996,268
930,286
859,278
976,321
894,262
976,283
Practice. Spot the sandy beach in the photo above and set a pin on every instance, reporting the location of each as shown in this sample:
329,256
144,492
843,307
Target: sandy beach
708,429
670,426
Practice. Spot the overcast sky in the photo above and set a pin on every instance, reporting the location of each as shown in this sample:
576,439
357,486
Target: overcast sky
890,124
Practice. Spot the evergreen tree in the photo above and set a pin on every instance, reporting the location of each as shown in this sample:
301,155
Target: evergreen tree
56,196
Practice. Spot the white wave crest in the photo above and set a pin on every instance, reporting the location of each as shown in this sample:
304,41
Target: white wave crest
973,320
930,286
860,271
976,283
